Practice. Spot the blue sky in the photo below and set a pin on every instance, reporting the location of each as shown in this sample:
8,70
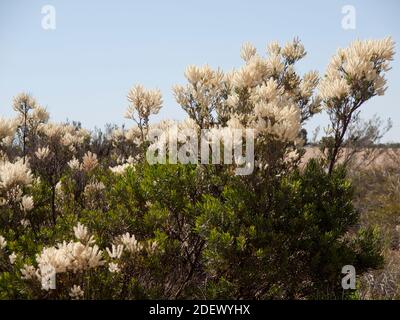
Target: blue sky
84,69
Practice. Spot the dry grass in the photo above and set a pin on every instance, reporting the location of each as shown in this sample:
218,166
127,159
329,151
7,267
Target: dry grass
377,186
371,158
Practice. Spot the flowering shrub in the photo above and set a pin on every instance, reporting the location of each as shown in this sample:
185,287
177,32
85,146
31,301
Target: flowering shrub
84,215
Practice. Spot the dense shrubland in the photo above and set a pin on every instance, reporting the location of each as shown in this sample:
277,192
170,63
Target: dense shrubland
88,207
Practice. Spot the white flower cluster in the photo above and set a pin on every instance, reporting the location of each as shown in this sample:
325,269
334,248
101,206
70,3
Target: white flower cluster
3,243
88,164
40,115
94,187
124,165
255,94
117,135
272,108
12,257
143,102
74,164
23,103
15,174
130,243
309,83
13,178
133,135
359,67
114,267
293,51
43,153
65,134
120,137
115,253
7,131
258,69
203,94
27,203
89,161
76,292
274,112
29,272
71,256
82,234
203,76
120,169
127,243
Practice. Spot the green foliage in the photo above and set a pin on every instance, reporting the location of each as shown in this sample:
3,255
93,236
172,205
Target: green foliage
218,236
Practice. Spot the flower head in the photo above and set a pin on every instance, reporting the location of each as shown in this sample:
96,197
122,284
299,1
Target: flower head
12,257
358,70
27,203
74,164
71,256
3,243
248,51
7,129
113,267
14,174
76,292
116,251
130,243
24,102
89,161
29,272
81,233
42,153
143,102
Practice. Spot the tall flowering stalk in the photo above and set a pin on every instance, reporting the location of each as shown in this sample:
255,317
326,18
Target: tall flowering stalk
354,75
30,116
142,104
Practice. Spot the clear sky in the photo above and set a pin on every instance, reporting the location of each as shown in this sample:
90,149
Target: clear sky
84,68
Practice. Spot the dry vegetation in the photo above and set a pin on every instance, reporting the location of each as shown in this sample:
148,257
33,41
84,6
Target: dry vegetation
378,199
